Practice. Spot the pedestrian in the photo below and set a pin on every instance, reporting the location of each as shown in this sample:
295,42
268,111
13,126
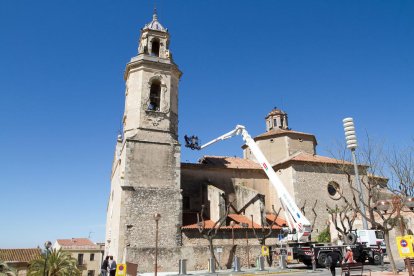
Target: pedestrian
349,256
104,266
112,266
332,260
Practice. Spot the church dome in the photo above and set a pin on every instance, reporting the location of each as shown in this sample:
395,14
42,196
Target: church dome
276,111
155,24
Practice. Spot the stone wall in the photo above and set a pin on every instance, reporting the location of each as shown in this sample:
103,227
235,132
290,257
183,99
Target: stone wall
196,250
217,203
274,150
244,195
310,184
301,143
146,181
196,256
140,206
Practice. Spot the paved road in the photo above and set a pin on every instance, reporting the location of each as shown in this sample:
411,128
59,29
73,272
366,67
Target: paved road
294,270
297,271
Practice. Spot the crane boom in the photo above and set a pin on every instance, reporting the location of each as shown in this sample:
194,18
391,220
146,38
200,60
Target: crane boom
298,223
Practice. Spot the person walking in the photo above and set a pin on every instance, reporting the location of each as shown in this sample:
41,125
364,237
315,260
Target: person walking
112,266
332,260
104,266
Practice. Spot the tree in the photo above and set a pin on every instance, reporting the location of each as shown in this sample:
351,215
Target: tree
315,215
401,164
324,236
343,219
210,233
373,157
59,263
5,270
266,229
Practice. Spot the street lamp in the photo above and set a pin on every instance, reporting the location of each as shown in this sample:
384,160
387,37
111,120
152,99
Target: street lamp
351,142
48,245
397,203
383,205
409,202
156,218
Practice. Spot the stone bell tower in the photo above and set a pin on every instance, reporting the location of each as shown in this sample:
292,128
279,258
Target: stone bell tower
145,176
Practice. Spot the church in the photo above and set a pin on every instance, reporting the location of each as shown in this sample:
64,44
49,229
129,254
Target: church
149,178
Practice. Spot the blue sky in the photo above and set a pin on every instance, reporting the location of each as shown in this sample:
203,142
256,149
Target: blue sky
62,89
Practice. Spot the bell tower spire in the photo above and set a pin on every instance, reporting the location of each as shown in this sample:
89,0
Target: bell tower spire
154,15
152,80
155,39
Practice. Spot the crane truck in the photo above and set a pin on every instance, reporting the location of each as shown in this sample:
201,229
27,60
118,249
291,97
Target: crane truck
297,242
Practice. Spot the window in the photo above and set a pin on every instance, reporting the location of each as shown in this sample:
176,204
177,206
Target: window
155,49
334,190
274,122
91,272
80,259
155,93
92,257
379,234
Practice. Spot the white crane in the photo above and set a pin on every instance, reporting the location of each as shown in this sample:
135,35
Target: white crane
300,227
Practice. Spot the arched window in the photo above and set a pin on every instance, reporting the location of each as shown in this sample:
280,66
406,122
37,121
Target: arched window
334,190
155,49
155,93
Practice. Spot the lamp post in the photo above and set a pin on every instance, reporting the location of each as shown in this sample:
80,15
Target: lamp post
156,218
48,245
232,232
236,265
351,142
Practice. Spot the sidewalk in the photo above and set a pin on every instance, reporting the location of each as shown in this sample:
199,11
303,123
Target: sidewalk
270,271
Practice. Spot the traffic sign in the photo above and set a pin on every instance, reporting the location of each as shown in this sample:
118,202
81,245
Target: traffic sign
121,270
405,246
265,250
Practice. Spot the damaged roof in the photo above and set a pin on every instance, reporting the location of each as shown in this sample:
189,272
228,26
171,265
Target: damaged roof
239,220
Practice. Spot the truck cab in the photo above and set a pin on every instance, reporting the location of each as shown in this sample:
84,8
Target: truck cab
373,238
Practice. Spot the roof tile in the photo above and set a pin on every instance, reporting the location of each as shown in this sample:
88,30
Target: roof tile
77,243
239,219
24,255
279,131
307,157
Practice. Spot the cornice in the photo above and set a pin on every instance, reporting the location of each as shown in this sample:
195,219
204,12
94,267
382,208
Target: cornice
153,63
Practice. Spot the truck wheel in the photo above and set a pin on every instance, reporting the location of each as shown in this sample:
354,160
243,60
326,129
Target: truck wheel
322,259
376,260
